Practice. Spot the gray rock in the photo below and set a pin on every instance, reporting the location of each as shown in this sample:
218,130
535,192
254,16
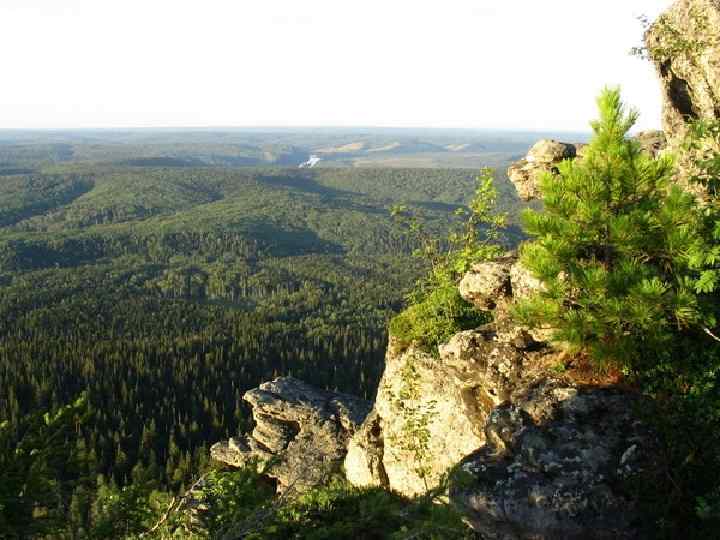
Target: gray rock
689,78
451,390
497,285
486,283
485,369
364,461
549,151
553,465
525,178
689,75
653,142
300,435
541,159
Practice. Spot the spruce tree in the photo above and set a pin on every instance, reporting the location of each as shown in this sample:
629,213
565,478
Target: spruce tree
613,247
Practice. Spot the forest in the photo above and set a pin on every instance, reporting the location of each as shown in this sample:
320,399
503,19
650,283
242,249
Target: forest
161,294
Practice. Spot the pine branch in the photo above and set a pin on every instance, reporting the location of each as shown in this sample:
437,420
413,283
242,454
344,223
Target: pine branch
709,333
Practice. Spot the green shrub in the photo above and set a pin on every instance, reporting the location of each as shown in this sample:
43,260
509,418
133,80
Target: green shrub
436,317
615,247
631,265
435,310
342,511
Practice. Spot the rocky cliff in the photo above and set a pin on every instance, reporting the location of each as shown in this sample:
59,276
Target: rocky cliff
528,442
531,448
684,45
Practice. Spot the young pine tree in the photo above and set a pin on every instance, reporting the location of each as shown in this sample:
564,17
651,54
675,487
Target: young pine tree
612,246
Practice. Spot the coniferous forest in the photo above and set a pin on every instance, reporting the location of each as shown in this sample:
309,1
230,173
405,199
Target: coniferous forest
162,294
367,333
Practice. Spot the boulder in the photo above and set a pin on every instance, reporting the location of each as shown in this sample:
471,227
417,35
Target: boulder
542,158
416,388
549,151
554,465
486,283
300,435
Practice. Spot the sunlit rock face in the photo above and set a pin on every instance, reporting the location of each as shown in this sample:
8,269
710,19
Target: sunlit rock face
542,158
684,45
384,451
300,435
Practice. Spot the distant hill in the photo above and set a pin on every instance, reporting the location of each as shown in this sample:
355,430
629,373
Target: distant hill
31,150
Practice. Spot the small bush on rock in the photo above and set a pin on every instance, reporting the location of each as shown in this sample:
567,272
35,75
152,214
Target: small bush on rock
631,267
435,309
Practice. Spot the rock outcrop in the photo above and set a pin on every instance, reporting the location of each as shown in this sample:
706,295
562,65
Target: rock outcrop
541,455
553,466
497,285
528,451
684,45
542,158
415,387
545,155
300,435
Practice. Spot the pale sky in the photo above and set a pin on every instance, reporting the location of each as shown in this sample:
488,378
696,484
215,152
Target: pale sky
514,64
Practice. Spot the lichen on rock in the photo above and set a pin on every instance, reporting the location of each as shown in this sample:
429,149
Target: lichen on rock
554,464
382,452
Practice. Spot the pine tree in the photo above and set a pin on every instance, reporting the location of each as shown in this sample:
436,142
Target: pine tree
612,246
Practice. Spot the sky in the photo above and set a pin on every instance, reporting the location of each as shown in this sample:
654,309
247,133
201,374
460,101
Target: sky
494,64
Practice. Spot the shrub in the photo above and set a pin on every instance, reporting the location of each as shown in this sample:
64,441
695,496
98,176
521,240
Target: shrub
614,246
631,267
435,310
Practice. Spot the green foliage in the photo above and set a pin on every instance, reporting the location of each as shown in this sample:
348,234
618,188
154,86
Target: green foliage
437,316
342,511
435,309
38,463
684,384
235,497
630,266
614,247
703,144
119,512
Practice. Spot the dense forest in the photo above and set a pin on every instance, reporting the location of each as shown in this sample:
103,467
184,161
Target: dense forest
163,293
